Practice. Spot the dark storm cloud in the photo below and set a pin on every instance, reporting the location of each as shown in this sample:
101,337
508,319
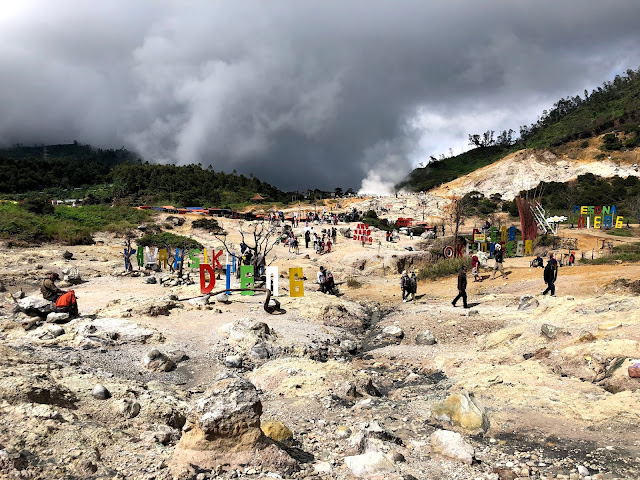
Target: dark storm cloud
300,93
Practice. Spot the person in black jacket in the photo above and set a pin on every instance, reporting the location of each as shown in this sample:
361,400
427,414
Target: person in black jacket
498,255
462,287
550,275
307,238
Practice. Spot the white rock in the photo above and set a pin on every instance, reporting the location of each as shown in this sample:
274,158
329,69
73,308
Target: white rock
368,464
55,317
583,471
233,361
322,467
452,445
393,331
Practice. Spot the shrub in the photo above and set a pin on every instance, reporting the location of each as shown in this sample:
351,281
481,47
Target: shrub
353,283
38,205
618,232
168,240
629,252
443,268
209,224
584,144
611,142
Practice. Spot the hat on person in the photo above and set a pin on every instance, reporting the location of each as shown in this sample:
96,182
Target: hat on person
498,246
404,272
54,276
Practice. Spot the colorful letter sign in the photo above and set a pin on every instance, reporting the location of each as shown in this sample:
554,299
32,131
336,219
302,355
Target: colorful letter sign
194,259
163,258
362,233
246,279
204,269
140,257
603,216
296,286
272,280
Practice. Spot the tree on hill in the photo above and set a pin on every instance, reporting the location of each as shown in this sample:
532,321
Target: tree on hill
455,213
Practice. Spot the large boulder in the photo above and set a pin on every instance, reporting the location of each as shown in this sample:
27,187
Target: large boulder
223,427
35,306
463,411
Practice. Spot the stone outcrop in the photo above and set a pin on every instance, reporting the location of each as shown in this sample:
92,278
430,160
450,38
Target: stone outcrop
223,427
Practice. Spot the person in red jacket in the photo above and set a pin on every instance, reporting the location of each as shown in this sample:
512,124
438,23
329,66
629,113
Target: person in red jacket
475,266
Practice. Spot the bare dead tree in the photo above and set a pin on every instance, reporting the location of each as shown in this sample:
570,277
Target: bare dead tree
259,238
455,213
129,250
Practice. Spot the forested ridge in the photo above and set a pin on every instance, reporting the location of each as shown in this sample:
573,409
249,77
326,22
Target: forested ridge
105,175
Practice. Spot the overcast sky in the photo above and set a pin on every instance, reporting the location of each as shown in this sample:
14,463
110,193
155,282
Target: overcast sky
301,93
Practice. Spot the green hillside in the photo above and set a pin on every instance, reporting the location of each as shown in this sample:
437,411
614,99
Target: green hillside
614,107
100,176
443,171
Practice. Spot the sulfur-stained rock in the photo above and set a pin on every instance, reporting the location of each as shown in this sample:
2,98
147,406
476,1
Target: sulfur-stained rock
276,430
461,410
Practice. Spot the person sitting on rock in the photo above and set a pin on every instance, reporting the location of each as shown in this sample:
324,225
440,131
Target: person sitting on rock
49,289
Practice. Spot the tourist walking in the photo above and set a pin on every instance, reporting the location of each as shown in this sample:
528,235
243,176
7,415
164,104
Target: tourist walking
462,287
475,267
414,285
498,255
550,275
405,285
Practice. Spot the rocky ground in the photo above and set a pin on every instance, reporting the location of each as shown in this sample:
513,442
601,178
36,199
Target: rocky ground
155,382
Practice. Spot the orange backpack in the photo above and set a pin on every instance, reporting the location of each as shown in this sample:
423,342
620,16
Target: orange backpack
66,300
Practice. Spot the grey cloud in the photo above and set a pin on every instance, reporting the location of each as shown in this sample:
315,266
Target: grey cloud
302,94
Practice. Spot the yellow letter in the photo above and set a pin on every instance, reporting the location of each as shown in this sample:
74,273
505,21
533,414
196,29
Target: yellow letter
583,210
163,258
596,222
619,221
296,286
527,247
